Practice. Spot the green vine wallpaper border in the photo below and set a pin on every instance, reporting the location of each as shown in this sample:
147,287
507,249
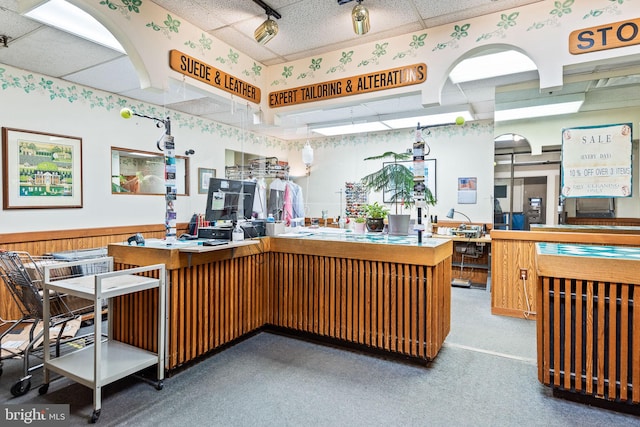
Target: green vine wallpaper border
56,91
59,91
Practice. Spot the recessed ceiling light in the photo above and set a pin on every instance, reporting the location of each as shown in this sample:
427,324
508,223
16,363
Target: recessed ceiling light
350,128
492,65
428,120
71,19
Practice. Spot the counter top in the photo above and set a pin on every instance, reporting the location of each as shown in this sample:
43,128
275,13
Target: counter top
338,235
336,242
591,251
586,228
589,262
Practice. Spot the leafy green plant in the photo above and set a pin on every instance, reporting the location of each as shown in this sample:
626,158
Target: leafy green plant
395,179
376,210
360,220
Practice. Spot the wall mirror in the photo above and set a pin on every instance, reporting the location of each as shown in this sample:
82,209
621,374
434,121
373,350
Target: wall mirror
142,172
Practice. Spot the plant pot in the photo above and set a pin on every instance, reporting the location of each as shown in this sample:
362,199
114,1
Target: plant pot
398,225
375,224
359,227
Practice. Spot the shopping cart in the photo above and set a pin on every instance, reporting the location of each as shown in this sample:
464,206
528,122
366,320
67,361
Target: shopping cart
23,274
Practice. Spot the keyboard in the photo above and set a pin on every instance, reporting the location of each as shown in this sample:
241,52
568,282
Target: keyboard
215,242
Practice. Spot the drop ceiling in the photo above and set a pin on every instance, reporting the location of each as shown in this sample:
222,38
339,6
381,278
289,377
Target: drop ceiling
307,28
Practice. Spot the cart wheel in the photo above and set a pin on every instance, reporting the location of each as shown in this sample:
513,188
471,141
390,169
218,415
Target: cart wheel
44,388
160,385
21,387
94,416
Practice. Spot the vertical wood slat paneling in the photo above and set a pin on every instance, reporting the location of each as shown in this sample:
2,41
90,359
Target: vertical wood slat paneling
222,286
597,335
589,340
371,303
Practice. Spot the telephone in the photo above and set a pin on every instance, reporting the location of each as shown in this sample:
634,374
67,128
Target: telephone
137,239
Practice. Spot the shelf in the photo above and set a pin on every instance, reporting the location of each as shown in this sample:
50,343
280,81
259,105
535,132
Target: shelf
112,286
471,265
118,360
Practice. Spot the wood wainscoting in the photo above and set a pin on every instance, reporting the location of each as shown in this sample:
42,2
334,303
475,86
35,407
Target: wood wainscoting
620,222
39,243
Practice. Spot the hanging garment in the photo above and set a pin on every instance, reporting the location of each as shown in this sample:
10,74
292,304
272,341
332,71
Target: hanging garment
260,199
297,200
288,204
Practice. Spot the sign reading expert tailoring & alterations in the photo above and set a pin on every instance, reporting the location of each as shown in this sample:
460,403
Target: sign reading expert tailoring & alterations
356,85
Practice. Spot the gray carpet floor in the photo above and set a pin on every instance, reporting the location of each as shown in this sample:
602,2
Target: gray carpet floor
485,375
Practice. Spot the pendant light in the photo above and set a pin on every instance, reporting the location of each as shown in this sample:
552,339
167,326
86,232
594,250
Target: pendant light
360,17
307,156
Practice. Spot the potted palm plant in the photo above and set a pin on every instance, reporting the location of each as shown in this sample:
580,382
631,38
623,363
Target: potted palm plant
395,180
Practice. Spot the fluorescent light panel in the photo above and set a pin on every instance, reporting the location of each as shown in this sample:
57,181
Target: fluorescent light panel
350,128
492,65
538,107
71,19
430,120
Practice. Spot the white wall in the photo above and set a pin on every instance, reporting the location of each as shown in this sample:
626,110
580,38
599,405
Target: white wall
459,151
95,118
465,151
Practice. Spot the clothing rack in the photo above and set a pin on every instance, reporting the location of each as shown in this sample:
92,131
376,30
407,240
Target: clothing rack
267,167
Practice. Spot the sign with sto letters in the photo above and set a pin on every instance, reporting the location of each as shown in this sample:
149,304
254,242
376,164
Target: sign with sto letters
364,83
192,67
604,37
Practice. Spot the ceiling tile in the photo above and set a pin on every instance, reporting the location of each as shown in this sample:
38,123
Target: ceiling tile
55,53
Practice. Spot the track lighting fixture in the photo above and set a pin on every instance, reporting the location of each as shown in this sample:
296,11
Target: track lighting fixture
360,17
269,28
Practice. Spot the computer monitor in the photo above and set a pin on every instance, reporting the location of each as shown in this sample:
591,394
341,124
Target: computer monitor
229,199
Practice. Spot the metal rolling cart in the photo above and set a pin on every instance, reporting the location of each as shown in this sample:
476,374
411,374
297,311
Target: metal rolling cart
107,360
23,274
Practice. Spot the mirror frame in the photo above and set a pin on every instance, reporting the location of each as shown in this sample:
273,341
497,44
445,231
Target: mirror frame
145,169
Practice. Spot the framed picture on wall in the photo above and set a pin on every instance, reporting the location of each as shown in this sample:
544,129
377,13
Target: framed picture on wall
204,175
41,170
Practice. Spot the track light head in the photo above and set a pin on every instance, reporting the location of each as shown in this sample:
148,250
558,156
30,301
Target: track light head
360,17
266,31
269,28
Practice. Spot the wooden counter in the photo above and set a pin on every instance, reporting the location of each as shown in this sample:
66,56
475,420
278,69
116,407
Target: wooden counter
386,295
514,251
588,329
